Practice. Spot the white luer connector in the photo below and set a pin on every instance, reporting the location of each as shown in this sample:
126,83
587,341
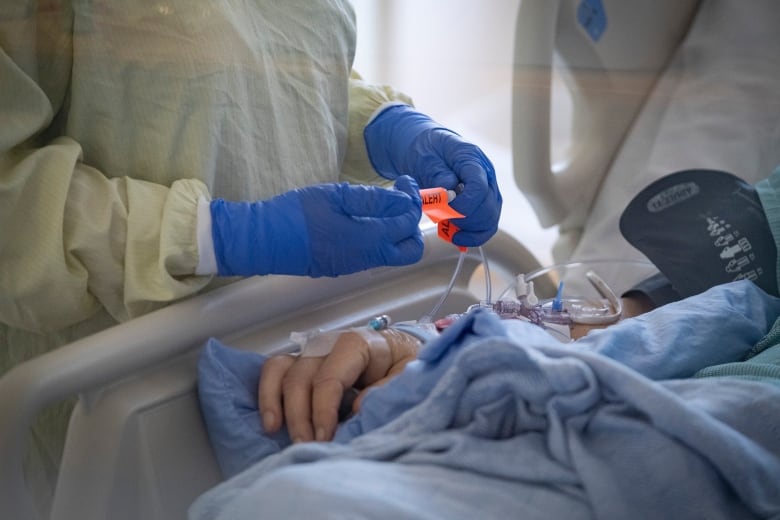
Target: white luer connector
525,290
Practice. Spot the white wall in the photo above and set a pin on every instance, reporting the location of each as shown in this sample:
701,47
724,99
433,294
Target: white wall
453,57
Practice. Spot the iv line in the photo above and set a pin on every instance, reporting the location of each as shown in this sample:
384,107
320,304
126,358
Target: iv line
428,318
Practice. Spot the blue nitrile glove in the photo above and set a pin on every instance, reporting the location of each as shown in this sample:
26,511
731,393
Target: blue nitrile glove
402,141
322,230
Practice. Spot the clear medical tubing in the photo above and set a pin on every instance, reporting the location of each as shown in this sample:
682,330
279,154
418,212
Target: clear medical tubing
536,273
428,318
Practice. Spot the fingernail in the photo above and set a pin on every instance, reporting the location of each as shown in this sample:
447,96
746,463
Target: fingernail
320,434
268,420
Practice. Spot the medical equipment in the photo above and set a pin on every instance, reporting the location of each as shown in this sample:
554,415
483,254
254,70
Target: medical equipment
435,202
320,342
379,322
716,214
559,312
436,206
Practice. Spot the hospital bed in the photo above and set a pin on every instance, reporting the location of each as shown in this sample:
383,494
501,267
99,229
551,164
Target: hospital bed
137,447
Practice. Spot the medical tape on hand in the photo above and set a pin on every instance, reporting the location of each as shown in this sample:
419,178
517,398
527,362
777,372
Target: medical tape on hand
314,343
320,343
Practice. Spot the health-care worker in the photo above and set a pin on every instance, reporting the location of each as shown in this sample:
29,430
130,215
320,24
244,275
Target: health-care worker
147,146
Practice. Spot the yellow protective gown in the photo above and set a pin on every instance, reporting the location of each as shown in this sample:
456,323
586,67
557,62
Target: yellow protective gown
116,116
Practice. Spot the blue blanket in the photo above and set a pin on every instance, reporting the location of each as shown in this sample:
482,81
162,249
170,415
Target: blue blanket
497,419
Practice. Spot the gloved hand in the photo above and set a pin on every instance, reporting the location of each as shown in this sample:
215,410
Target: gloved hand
322,230
402,141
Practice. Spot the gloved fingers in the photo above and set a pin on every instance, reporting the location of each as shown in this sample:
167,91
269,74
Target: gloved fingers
473,194
466,170
479,200
375,202
473,178
402,140
405,252
404,230
433,171
392,216
406,184
353,228
477,228
473,238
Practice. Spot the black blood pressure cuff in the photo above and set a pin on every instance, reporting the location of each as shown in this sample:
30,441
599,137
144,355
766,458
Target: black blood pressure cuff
702,228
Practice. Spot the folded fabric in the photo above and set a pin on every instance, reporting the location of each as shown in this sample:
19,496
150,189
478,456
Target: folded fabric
498,418
762,364
227,390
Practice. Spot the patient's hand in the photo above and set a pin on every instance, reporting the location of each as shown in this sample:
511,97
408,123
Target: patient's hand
305,392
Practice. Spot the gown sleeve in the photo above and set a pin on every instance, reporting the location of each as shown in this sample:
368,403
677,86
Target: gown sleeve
73,239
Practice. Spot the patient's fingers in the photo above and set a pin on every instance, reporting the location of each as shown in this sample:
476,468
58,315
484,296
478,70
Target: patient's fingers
306,392
345,364
403,349
269,391
297,396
